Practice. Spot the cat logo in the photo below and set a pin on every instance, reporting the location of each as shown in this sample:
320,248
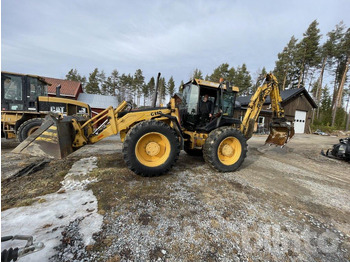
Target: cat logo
156,113
57,109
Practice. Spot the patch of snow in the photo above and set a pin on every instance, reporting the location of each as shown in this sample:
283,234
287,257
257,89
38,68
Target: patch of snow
77,178
46,220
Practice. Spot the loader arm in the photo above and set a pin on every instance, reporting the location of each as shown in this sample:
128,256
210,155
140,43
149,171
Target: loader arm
60,136
269,88
86,134
113,122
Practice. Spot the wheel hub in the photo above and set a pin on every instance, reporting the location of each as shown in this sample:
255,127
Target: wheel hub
32,130
227,150
152,149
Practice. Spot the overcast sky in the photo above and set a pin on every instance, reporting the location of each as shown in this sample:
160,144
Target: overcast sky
49,38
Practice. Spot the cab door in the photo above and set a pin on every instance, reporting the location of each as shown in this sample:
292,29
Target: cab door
35,88
12,92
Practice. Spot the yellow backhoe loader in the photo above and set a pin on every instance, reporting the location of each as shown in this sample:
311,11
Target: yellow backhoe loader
152,138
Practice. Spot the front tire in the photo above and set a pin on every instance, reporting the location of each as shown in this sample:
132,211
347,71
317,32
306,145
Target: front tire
225,149
151,148
28,127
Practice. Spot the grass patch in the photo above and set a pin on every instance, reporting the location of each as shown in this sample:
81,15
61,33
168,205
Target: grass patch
112,160
117,185
108,189
23,191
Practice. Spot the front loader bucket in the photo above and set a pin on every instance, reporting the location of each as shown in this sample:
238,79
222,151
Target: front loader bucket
280,133
53,139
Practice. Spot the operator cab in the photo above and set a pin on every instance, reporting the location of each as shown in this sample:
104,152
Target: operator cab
20,92
218,110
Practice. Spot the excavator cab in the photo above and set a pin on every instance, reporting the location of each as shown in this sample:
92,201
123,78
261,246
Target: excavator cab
207,105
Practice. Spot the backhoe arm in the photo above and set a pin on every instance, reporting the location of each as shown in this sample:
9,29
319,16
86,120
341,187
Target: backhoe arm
269,88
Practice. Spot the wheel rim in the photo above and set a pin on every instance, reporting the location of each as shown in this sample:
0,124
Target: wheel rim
152,149
32,130
229,151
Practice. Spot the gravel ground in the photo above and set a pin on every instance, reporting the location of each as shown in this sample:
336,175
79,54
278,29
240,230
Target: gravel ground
284,204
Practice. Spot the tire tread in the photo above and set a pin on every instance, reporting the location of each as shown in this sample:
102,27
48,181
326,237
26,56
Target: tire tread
20,136
130,139
214,139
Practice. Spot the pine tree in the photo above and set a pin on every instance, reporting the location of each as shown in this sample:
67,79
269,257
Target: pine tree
145,93
161,90
73,75
112,85
92,87
326,107
326,52
347,109
259,78
122,89
345,57
126,82
337,63
103,84
285,65
222,71
307,55
138,82
171,86
151,86
243,80
197,74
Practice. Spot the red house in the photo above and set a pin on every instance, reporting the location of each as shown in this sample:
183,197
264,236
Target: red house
74,90
69,89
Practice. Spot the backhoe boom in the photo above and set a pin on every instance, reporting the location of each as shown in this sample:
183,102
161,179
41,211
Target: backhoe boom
278,125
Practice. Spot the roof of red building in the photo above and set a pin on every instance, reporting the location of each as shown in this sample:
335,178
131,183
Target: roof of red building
68,88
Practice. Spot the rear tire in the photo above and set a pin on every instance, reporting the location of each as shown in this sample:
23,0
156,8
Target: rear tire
225,149
28,127
151,148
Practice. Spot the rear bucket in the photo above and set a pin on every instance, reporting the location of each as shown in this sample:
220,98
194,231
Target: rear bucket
53,139
280,133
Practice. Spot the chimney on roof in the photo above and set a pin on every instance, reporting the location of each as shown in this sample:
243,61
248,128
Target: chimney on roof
58,91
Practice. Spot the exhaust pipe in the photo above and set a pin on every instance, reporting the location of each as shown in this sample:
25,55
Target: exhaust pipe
58,91
156,92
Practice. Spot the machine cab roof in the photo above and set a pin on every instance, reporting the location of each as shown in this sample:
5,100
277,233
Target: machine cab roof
210,84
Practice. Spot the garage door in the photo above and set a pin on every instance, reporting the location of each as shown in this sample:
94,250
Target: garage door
299,121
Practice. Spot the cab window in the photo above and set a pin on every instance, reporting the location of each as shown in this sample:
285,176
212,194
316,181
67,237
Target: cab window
12,87
36,88
228,103
191,94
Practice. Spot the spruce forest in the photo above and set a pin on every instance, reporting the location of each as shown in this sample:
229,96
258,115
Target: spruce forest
318,62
